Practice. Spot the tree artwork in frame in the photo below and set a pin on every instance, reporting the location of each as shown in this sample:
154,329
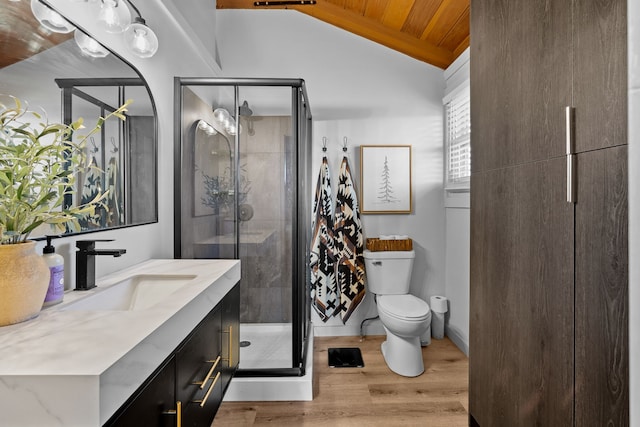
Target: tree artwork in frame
385,177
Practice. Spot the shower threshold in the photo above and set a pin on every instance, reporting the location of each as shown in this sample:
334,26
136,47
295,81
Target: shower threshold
290,388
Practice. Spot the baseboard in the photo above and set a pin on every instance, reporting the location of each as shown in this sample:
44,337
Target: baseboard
458,338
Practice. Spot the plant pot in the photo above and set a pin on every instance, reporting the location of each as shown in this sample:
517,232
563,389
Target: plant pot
24,280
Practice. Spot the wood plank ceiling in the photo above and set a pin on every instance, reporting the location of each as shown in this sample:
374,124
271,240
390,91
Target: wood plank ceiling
433,31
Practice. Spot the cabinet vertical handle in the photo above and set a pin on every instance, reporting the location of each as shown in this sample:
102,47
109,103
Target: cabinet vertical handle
230,345
230,358
570,142
177,412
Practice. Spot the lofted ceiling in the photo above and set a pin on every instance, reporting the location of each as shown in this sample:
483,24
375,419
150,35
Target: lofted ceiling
432,31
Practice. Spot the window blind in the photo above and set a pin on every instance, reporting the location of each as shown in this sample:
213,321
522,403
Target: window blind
458,140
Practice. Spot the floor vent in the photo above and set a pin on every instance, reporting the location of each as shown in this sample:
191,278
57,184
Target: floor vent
345,358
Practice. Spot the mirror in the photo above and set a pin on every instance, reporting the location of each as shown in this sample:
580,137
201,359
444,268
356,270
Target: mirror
50,73
213,171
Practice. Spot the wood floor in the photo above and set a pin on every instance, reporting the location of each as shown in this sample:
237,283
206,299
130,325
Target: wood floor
369,396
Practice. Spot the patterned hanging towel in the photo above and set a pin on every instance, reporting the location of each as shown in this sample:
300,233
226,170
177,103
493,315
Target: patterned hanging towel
349,244
324,288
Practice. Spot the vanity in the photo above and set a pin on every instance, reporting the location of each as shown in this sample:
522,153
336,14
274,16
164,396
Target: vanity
154,344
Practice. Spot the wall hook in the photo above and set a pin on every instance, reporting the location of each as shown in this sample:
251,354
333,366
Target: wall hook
344,145
324,144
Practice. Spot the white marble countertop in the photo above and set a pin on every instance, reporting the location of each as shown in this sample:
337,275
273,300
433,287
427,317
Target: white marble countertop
76,368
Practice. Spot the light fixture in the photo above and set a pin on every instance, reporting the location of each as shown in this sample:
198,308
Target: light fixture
140,39
89,46
114,16
206,128
225,120
50,19
285,3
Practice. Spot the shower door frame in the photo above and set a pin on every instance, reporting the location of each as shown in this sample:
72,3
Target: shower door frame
302,129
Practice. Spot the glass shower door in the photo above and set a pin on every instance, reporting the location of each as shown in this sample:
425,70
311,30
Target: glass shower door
265,214
244,193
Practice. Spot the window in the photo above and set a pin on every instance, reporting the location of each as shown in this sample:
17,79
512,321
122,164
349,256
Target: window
457,116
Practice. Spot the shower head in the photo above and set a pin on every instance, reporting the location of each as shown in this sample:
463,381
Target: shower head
245,110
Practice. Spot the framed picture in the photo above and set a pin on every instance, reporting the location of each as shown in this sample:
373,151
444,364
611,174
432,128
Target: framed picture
385,177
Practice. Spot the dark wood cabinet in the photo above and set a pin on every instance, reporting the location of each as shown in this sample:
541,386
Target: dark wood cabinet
190,384
600,73
230,336
198,370
154,404
548,325
521,296
517,107
601,280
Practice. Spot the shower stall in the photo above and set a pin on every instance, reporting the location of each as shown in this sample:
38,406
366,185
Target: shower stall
242,191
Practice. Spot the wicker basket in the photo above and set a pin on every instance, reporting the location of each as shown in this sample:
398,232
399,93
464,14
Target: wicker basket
374,244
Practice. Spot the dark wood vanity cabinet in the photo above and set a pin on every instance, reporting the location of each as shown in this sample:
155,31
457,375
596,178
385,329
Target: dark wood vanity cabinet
198,371
548,280
154,404
191,383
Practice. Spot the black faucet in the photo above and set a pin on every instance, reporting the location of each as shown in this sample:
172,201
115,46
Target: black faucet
86,262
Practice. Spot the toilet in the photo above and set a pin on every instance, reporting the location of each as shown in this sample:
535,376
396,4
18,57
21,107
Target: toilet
405,317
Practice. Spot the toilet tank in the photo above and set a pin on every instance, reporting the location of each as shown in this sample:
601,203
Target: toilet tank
388,272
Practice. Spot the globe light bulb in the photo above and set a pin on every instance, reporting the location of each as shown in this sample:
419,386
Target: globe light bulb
140,39
50,19
88,46
114,16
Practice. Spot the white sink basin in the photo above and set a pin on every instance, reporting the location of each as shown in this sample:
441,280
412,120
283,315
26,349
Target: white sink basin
137,292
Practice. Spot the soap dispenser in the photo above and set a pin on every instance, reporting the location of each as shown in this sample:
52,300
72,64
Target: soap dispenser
55,262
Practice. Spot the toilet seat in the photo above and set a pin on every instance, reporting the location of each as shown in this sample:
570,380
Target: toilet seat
404,307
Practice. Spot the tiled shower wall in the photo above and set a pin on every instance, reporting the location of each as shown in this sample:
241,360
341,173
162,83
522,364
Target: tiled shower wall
265,240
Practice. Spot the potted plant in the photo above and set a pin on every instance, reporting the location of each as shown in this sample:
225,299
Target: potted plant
39,162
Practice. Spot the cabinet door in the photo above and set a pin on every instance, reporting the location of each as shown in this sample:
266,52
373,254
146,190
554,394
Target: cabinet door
521,335
153,405
520,81
600,73
602,365
230,335
198,374
493,333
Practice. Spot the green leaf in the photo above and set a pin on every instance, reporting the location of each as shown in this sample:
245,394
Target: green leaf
39,163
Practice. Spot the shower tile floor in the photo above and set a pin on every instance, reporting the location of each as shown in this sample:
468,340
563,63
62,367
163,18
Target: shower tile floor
270,345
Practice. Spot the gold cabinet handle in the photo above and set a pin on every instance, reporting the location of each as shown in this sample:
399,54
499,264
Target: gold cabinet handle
203,401
230,358
213,368
177,412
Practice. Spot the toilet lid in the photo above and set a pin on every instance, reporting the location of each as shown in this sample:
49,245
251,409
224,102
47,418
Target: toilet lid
403,306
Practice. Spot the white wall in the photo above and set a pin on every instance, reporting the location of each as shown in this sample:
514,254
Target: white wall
633,13
458,237
181,53
368,93
457,275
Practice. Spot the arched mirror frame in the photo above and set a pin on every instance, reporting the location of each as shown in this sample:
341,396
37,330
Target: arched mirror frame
70,84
